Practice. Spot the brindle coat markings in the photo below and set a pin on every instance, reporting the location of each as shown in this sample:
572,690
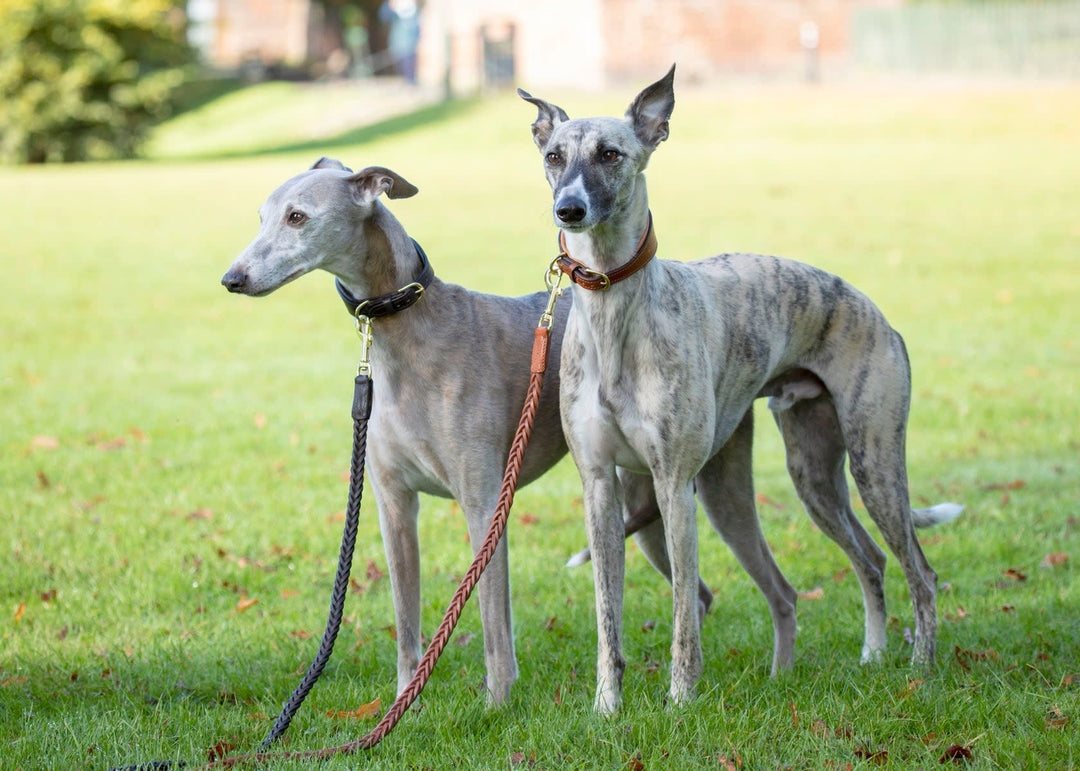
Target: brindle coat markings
658,376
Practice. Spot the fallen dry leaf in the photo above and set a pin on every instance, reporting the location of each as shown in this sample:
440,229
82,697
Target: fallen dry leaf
963,656
245,603
42,442
729,764
958,615
956,753
374,573
1015,484
20,610
363,712
633,763
527,519
1014,574
201,513
1054,559
219,751
260,420
816,593
764,500
879,757
1055,718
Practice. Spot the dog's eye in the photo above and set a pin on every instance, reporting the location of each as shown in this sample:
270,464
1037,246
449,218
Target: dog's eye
296,218
610,156
553,159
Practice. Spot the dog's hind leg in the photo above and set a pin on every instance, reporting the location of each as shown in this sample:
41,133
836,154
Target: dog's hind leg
815,461
643,520
725,487
874,426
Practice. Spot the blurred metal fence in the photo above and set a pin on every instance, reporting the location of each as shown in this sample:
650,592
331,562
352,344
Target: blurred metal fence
1019,39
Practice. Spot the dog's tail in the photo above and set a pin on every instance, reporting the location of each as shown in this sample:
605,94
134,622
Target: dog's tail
579,559
928,517
936,515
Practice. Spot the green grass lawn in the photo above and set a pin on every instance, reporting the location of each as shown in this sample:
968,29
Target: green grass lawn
172,457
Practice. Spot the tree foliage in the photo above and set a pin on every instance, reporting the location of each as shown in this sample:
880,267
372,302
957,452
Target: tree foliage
85,79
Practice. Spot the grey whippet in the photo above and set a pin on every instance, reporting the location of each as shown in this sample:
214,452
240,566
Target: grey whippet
658,374
450,377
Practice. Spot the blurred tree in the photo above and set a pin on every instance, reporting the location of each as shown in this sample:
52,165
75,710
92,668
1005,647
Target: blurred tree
85,79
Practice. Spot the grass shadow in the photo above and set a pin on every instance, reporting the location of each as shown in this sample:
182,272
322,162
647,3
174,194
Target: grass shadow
199,92
415,119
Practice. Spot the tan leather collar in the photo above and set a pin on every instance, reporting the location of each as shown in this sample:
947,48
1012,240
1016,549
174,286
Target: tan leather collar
588,278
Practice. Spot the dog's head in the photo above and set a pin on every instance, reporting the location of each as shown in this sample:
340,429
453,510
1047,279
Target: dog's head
593,164
312,221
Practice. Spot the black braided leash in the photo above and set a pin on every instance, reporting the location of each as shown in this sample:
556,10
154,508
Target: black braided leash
376,307
361,411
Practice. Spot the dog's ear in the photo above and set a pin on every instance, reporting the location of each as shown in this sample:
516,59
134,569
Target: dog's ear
368,184
330,163
651,110
549,116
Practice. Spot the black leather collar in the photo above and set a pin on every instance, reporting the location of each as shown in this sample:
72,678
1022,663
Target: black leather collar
391,303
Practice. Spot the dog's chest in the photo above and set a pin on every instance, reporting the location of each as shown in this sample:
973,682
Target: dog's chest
612,399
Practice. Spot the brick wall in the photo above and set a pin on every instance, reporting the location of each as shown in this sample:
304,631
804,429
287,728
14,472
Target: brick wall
714,37
269,31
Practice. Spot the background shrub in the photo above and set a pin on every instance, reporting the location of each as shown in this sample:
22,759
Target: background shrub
85,79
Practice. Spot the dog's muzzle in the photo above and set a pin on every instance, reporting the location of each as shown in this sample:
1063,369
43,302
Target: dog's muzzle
234,280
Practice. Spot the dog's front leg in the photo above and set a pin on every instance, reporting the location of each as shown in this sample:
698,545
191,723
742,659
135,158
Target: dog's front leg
604,524
679,508
494,598
398,511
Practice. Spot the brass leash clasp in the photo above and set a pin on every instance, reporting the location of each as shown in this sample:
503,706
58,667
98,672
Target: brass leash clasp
552,279
364,332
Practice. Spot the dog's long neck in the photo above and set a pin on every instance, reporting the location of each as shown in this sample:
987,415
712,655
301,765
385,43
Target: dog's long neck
613,243
382,258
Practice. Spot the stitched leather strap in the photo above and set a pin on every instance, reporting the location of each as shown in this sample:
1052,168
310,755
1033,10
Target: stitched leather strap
392,302
594,280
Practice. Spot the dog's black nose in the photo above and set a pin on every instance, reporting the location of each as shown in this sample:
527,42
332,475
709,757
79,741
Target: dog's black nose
570,211
234,280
